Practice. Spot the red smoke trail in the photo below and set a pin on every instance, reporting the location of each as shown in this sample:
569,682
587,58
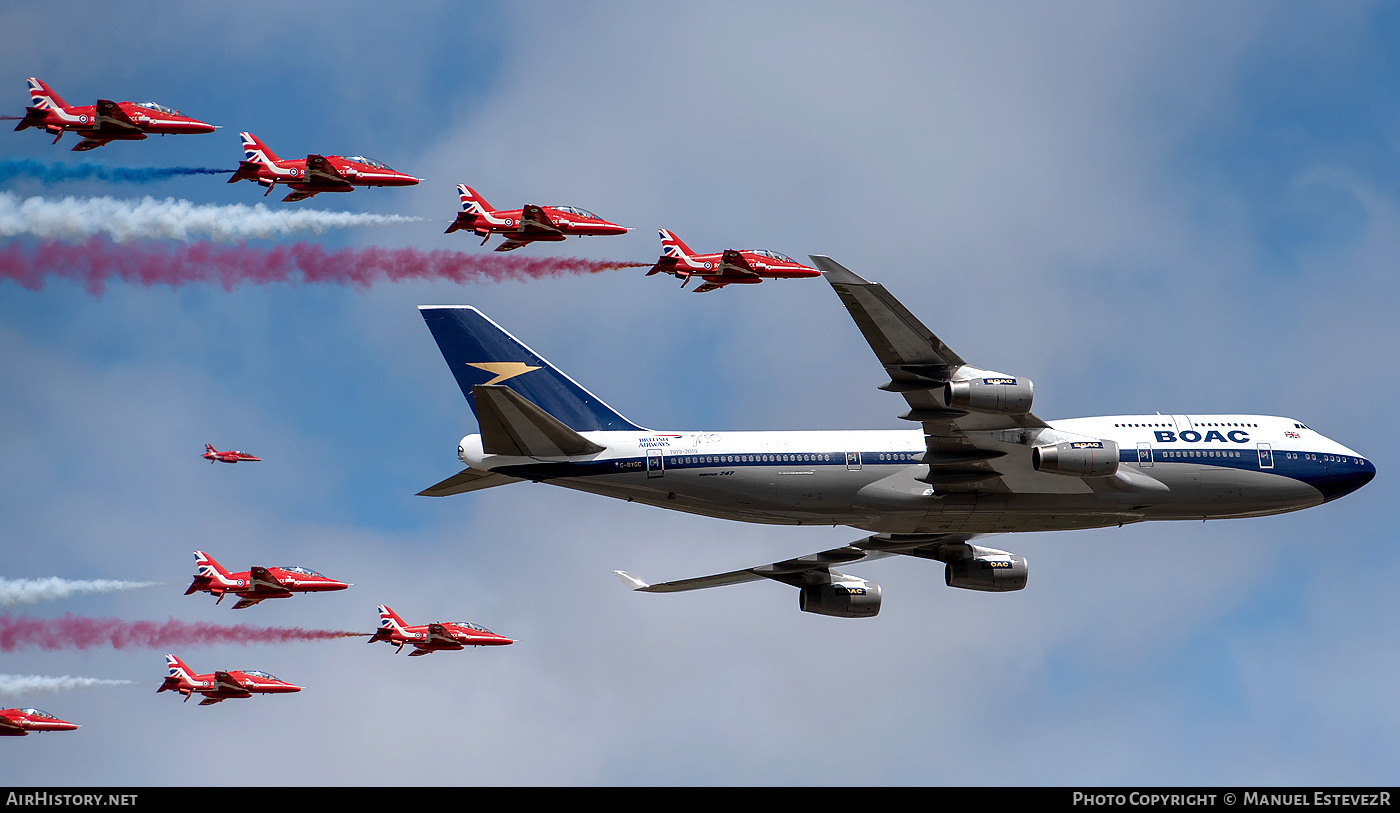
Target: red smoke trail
97,261
76,632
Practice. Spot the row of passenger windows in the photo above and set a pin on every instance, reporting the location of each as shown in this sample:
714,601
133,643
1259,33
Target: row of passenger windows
868,457
1202,453
1173,425
756,458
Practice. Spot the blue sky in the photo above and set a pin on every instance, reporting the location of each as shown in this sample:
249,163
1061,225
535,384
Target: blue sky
1174,207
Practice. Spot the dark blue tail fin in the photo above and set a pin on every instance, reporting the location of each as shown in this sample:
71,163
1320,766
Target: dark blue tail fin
478,351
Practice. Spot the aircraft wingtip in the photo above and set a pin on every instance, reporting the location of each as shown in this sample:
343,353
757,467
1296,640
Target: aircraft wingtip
836,272
631,581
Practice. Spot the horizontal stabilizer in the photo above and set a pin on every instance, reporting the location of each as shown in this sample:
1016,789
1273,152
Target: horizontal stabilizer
467,479
512,425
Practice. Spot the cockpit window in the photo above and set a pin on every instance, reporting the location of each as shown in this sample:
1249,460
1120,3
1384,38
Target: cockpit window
39,713
302,570
160,108
470,626
574,210
360,159
763,252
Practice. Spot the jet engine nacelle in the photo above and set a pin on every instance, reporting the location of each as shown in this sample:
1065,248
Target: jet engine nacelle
1077,458
856,598
996,394
989,571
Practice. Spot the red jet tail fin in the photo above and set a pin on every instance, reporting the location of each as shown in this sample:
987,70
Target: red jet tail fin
177,673
389,620
257,152
671,246
43,96
675,257
471,201
205,566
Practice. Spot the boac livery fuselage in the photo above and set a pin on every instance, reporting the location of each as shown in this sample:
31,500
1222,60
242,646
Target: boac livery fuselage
980,462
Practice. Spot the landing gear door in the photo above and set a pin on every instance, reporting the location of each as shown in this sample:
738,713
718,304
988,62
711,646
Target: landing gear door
655,467
1144,455
1266,456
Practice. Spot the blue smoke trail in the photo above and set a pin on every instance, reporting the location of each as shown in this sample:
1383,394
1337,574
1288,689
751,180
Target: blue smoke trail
52,173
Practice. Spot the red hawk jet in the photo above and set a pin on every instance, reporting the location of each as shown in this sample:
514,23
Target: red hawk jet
256,584
726,268
105,121
220,686
528,225
428,638
314,174
215,456
19,722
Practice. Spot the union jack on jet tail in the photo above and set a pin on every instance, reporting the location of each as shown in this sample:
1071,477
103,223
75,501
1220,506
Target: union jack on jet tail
526,225
313,174
104,122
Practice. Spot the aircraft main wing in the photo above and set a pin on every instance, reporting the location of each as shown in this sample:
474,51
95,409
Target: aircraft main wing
964,450
223,681
534,222
438,635
816,568
534,225
262,579
733,264
322,172
110,114
91,144
11,728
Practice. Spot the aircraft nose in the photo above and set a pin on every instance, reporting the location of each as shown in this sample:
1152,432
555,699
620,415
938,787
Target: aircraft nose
1348,478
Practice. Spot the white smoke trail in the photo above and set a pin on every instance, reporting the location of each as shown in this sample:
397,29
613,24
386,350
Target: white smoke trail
29,591
11,685
74,219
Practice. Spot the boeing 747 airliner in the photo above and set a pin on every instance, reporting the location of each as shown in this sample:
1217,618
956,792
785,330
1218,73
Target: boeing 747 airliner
980,464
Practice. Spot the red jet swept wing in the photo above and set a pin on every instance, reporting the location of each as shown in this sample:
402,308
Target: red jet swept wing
215,456
257,583
19,722
429,638
217,687
313,174
105,121
746,267
528,225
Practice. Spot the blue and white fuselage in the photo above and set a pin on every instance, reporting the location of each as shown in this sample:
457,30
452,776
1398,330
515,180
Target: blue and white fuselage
1225,466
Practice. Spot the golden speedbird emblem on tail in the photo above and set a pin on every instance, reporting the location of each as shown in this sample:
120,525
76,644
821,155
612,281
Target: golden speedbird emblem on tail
503,370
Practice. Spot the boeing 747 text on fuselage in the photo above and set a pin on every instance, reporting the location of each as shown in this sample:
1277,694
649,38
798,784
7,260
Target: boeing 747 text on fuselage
980,464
